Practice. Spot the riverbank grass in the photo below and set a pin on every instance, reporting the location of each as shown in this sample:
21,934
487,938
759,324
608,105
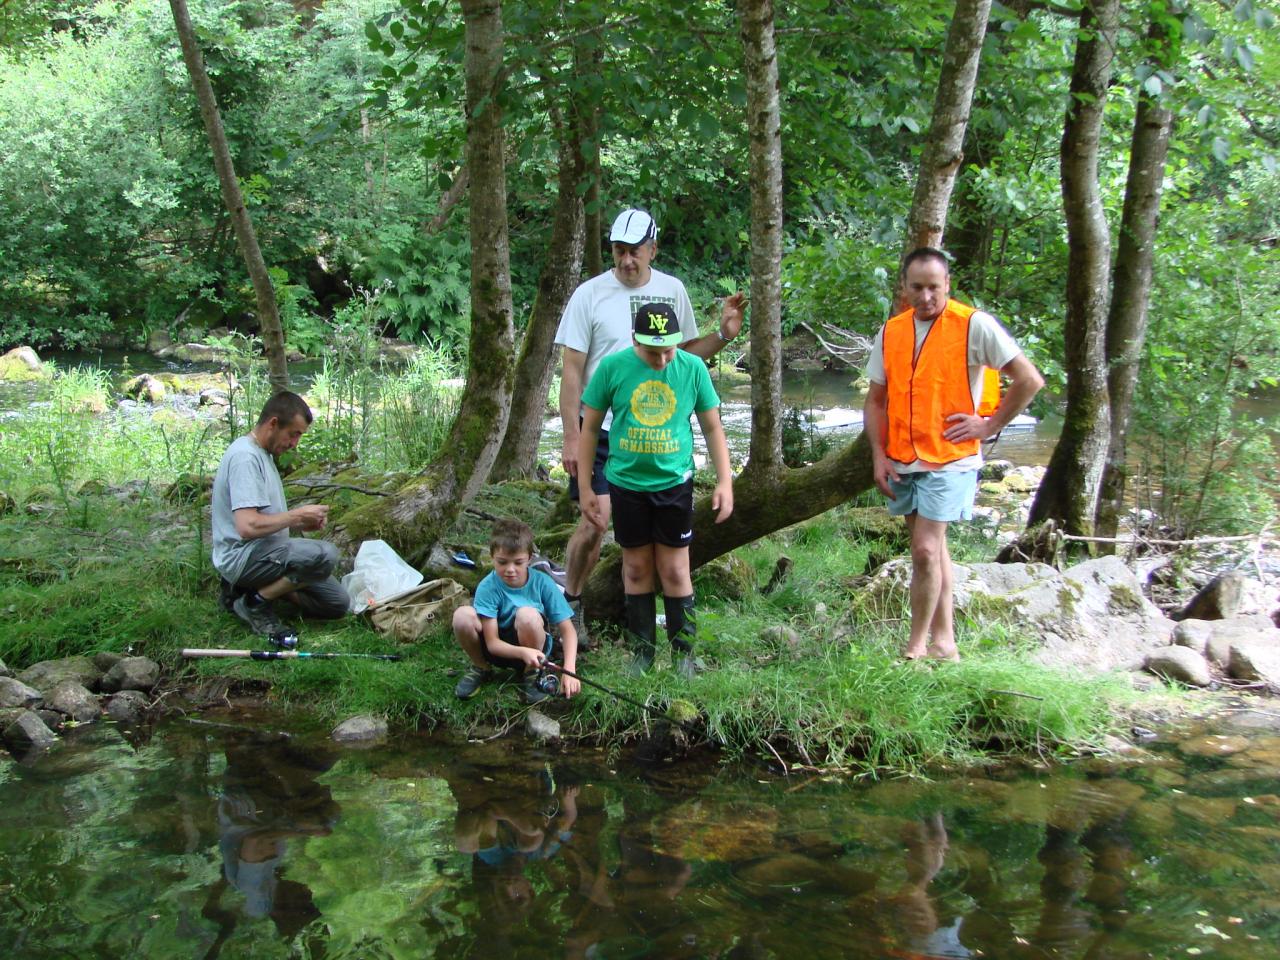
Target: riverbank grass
128,571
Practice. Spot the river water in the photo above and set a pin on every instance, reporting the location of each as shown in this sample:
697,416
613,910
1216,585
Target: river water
223,838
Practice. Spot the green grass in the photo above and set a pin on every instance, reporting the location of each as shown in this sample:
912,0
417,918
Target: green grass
95,557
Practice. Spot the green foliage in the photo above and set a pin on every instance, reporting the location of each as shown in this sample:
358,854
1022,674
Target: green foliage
428,287
801,442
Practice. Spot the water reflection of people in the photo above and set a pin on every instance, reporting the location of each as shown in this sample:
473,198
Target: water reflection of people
916,914
269,794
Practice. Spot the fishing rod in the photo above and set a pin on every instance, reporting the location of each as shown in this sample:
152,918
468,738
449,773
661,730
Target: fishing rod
285,654
652,711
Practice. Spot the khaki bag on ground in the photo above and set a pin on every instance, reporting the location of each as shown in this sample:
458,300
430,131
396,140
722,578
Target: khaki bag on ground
410,615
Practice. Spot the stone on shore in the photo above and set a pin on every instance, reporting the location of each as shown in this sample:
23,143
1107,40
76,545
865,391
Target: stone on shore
131,673
4,670
15,693
23,364
1092,616
1225,634
127,707
74,700
1219,599
47,674
360,729
1193,634
540,727
1257,660
1181,664
28,732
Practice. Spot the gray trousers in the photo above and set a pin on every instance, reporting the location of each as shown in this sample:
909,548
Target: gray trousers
306,562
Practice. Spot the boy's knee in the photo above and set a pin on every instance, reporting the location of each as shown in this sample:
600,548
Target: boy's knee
466,622
529,623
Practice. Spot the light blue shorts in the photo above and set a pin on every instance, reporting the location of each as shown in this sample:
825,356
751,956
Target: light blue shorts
942,495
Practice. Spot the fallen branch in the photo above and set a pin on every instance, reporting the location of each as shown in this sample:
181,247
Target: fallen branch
336,486
1164,543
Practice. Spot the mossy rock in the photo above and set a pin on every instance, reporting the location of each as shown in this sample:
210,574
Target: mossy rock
554,542
875,523
145,389
23,365
189,487
726,578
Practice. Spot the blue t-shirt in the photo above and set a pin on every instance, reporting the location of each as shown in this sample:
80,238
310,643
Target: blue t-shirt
498,601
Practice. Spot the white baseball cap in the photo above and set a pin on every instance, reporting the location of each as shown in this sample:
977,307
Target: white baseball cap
633,227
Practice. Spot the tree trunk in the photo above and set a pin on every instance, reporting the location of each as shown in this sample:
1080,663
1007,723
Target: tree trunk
943,149
593,225
1069,491
767,495
560,274
415,518
1131,291
764,131
246,238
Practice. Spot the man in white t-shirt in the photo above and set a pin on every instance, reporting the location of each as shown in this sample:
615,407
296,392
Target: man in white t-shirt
597,322
921,419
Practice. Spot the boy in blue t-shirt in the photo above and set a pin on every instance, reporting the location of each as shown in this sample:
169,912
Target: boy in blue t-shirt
653,391
508,624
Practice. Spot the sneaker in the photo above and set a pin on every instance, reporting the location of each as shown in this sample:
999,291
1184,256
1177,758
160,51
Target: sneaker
471,682
580,628
227,595
261,619
538,687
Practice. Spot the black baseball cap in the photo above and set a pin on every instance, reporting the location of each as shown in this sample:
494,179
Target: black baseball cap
656,325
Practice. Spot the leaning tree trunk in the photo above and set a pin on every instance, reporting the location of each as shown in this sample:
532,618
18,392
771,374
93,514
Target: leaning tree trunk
414,519
943,148
246,238
761,506
1069,491
764,132
1131,290
560,273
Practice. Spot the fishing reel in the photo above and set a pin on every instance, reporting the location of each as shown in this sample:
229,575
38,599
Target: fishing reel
286,640
546,681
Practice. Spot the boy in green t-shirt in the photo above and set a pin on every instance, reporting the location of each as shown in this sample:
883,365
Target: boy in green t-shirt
653,389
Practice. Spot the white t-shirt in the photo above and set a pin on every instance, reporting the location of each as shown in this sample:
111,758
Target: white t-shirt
989,346
598,318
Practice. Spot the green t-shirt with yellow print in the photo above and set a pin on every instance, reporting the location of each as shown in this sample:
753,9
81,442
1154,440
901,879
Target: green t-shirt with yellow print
651,440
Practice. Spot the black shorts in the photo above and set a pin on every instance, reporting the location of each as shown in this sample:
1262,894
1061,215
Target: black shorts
599,485
508,634
642,517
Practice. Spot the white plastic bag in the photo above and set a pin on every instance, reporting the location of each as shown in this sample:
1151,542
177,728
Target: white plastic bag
379,573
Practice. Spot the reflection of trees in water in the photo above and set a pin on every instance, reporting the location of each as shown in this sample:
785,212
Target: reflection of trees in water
559,867
269,794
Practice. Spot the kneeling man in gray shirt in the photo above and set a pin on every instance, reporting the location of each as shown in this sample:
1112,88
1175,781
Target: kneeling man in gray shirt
252,549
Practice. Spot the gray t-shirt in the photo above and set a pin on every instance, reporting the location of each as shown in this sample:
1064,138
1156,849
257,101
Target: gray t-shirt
246,477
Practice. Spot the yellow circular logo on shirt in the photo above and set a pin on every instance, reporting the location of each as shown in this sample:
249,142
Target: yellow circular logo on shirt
653,403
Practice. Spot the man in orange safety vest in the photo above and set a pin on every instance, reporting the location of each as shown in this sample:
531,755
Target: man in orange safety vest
925,421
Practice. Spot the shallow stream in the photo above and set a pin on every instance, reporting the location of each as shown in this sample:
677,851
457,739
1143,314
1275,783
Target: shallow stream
220,838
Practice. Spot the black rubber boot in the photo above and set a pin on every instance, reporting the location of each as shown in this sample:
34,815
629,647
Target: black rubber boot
682,628
642,628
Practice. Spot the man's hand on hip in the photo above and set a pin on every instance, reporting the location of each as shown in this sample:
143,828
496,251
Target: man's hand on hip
965,426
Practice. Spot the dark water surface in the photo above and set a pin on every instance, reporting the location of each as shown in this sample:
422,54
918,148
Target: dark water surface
231,841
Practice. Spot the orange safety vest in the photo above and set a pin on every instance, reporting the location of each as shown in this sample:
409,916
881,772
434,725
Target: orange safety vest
990,392
924,389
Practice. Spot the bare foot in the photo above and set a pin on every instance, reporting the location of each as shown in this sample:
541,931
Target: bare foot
951,655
